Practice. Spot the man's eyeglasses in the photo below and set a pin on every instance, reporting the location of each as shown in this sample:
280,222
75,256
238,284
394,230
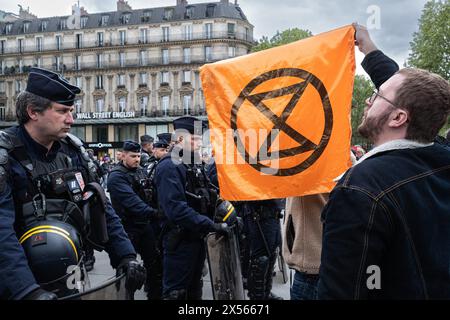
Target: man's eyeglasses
375,94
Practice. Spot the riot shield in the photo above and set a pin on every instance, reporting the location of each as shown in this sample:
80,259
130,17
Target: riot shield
111,289
224,266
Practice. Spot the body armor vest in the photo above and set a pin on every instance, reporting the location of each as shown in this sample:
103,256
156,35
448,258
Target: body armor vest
200,194
53,189
139,182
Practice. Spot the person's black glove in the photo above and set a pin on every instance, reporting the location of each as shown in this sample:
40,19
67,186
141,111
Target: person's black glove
40,294
135,274
221,228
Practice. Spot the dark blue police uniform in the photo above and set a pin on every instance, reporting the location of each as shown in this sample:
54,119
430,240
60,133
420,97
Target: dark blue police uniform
188,206
131,196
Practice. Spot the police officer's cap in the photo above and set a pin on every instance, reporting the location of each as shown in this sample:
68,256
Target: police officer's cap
131,146
50,85
163,140
147,139
189,123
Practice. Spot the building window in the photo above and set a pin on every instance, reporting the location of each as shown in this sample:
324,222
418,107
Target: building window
79,82
18,86
2,46
187,100
78,105
208,30
2,67
143,102
20,65
26,26
44,25
142,57
99,60
125,18
165,32
231,52
231,30
2,86
210,10
20,45
165,102
122,37
105,20
38,62
83,22
165,56
126,132
79,41
122,104
100,133
187,55
143,78
80,132
165,77
189,12
208,53
143,35
99,82
62,24
188,32
122,59
121,80
59,42
57,63
77,62
168,13
99,105
2,113
100,39
8,28
247,34
186,76
147,16
39,44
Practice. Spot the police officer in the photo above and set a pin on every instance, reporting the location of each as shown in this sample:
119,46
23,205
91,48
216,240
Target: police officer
188,204
131,197
43,172
147,147
263,236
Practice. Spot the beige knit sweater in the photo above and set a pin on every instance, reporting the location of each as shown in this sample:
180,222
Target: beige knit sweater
302,237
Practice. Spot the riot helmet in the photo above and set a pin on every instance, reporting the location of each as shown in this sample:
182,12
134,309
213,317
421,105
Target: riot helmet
51,247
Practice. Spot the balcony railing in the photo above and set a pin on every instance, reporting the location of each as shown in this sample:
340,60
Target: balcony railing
152,39
116,63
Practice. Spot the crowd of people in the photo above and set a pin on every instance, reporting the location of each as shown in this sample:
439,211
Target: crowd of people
382,232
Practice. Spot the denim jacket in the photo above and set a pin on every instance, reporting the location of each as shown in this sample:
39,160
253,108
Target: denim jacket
387,226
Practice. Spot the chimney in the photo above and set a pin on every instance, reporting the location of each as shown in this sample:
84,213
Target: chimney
123,5
225,1
182,2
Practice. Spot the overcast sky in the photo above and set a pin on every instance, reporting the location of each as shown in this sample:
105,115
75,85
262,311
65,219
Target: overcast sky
391,22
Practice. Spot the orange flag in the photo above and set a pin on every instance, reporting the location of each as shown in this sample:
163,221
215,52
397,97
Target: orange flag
279,119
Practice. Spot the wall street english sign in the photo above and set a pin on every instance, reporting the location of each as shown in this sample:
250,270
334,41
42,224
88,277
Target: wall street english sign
105,115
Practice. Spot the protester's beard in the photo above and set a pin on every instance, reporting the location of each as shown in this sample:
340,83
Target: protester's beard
370,128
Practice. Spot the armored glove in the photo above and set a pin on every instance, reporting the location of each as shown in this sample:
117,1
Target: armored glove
221,228
135,274
40,294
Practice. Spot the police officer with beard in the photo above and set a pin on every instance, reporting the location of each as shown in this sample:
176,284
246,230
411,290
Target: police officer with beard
188,203
46,181
131,197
